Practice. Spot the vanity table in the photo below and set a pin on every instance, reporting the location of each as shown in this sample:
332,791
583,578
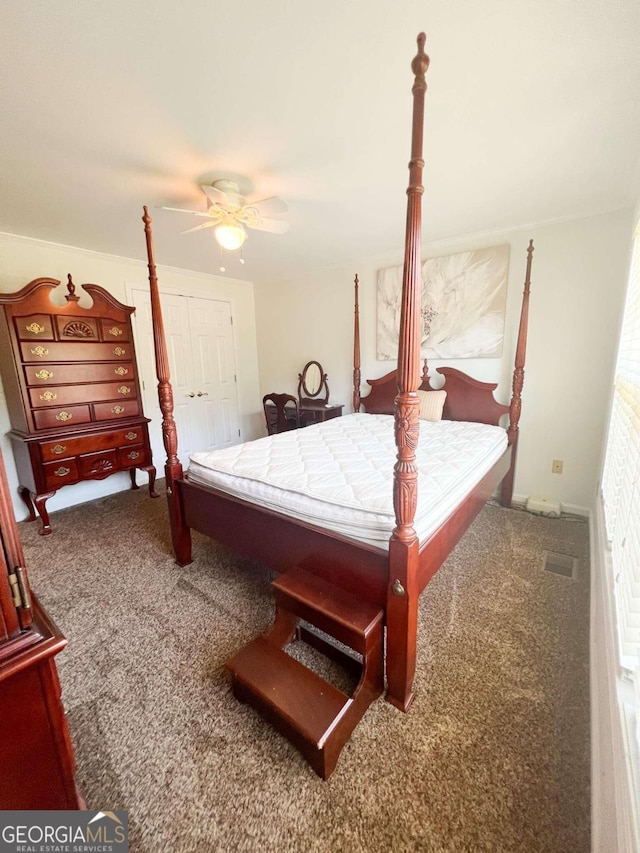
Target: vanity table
313,412
313,396
311,407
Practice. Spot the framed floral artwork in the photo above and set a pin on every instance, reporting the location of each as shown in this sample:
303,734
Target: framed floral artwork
463,305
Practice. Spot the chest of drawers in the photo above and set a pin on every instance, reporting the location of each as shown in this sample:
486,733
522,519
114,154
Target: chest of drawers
70,379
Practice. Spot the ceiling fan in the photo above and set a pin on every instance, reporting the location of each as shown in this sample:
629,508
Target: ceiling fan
229,214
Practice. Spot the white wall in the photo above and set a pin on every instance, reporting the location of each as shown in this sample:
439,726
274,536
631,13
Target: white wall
22,260
579,273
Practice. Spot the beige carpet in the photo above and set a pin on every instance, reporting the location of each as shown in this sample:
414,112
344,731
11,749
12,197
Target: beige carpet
494,755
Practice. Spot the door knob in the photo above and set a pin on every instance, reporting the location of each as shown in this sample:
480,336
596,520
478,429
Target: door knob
203,393
192,394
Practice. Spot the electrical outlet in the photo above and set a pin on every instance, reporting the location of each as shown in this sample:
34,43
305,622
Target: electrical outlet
556,466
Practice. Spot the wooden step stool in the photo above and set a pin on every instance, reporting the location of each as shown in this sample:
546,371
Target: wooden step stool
313,714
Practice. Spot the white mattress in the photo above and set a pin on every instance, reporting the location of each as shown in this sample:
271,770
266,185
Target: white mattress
339,474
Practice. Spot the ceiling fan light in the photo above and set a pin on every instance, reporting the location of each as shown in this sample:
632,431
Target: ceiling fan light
230,237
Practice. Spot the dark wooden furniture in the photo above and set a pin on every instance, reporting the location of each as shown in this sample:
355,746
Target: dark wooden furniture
312,384
37,768
313,412
308,412
71,383
313,395
280,413
393,580
301,705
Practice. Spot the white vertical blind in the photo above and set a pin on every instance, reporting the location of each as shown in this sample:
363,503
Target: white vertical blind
621,475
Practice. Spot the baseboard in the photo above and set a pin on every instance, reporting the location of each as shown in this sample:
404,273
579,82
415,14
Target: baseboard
520,502
576,509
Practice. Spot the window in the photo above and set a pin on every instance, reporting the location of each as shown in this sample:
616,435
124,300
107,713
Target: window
621,475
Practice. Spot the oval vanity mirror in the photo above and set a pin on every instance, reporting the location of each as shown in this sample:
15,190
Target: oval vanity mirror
312,383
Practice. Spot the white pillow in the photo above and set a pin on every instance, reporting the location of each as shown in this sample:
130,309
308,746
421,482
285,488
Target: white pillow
431,404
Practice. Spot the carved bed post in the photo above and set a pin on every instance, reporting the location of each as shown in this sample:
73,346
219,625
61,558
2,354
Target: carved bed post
403,590
356,349
515,408
180,533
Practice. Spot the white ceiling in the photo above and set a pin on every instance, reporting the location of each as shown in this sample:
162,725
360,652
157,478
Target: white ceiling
532,115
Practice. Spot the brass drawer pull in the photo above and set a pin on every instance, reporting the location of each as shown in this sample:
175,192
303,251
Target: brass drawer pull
117,410
133,454
48,396
115,331
62,471
119,351
39,351
58,449
44,374
131,435
123,389
121,371
35,328
203,393
63,416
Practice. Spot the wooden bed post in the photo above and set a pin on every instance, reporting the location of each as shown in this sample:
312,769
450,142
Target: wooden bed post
356,349
403,588
515,408
180,533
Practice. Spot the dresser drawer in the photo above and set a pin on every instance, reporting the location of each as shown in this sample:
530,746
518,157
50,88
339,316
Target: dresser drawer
114,331
130,457
52,450
60,473
130,436
68,395
62,447
56,418
102,463
34,327
62,374
76,351
77,328
109,411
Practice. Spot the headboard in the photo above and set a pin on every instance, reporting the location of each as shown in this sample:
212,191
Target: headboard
468,399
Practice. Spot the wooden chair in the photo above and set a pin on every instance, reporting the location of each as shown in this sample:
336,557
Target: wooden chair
281,412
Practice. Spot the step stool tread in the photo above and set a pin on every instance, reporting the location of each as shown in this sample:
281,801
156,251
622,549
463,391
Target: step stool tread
299,696
341,606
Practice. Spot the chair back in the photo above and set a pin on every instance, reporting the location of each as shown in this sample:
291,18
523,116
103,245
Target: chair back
281,412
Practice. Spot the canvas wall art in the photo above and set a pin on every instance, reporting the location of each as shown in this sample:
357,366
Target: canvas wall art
463,305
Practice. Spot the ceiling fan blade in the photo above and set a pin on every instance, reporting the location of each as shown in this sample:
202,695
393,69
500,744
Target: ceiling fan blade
271,206
209,224
227,200
214,195
182,210
275,226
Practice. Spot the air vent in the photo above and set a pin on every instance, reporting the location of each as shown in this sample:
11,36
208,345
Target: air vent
560,564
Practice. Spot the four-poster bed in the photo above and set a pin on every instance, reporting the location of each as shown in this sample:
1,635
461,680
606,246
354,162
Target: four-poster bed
386,576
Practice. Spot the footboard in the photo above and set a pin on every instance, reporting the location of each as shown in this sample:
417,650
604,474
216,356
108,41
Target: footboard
281,543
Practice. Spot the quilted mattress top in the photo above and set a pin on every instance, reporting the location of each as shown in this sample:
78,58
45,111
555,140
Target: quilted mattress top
339,473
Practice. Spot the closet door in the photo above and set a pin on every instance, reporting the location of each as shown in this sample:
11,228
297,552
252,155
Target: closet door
214,374
199,335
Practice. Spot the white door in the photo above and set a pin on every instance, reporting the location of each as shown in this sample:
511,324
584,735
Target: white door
199,336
